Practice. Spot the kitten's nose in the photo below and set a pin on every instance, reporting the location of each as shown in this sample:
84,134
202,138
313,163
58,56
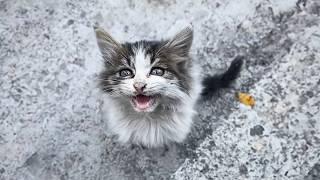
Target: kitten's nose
139,86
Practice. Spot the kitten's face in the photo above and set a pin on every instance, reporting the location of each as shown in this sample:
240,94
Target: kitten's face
146,74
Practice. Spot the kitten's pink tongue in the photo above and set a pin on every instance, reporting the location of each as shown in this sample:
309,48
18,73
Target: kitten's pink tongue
142,101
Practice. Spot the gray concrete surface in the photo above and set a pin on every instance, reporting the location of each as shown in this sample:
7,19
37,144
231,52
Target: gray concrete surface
51,124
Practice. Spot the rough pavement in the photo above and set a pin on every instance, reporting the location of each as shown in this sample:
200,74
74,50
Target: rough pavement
51,124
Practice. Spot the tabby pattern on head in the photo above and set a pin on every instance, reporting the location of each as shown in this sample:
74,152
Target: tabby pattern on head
150,88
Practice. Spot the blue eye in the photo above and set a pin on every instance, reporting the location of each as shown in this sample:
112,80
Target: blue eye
125,73
157,71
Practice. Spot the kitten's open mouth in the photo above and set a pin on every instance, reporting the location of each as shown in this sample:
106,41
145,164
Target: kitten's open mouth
143,102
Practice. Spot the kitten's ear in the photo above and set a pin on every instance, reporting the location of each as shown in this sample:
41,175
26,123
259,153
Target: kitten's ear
107,45
181,42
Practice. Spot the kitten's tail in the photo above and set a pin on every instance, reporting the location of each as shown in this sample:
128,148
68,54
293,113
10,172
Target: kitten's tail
212,83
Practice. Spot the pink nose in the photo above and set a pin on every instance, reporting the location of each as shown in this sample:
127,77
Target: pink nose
139,86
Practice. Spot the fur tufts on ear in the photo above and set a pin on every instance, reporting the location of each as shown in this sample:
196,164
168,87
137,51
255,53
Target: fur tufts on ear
107,45
181,42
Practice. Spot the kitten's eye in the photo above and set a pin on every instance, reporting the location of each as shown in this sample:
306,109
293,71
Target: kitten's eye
157,71
125,73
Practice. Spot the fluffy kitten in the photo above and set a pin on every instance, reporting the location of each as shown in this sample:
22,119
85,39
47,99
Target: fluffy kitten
151,87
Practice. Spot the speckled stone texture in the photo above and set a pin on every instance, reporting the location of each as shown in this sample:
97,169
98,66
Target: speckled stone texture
51,124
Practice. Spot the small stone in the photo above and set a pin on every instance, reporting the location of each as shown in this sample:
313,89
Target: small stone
70,22
126,28
83,14
243,169
2,170
257,146
46,36
205,169
303,99
256,130
212,143
50,11
23,11
310,94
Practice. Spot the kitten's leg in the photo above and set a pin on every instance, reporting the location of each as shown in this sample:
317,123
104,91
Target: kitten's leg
133,146
142,147
137,146
165,150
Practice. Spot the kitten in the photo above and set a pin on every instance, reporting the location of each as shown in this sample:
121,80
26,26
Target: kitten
151,87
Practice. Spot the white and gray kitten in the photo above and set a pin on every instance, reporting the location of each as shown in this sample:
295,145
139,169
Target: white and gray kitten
151,87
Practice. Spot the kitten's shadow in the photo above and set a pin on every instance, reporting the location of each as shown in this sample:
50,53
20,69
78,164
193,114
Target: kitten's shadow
138,162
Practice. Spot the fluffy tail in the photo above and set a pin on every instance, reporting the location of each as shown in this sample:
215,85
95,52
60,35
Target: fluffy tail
212,83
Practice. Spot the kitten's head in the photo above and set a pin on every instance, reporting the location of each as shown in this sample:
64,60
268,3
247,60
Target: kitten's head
146,74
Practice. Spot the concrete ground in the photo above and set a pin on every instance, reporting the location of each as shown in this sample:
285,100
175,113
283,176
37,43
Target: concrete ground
51,124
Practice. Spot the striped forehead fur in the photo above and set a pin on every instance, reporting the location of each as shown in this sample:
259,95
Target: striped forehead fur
164,56
150,54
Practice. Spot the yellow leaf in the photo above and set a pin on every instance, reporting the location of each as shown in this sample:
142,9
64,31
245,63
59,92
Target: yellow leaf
246,99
